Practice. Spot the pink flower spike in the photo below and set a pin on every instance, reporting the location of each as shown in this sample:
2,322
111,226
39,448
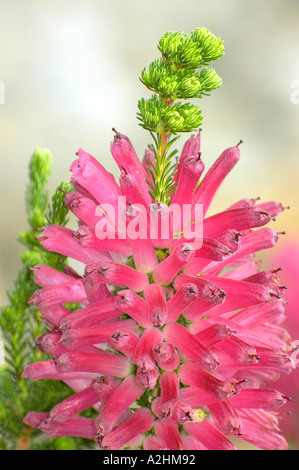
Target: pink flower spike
91,315
97,363
119,275
168,269
141,421
124,395
154,295
60,240
191,171
143,350
215,176
125,156
259,399
209,436
75,404
72,291
132,304
167,431
74,427
191,148
166,356
89,174
186,342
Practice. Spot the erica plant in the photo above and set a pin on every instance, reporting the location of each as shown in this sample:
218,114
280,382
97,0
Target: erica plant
176,335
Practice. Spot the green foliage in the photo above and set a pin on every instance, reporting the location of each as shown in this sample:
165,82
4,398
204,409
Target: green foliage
21,325
170,119
182,73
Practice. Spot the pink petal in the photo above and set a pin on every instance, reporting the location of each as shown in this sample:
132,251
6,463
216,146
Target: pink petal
61,240
125,156
168,269
91,315
124,341
118,275
167,431
89,174
209,436
186,342
133,305
166,356
74,427
190,172
154,295
75,404
192,374
98,363
72,291
215,176
125,394
78,337
191,148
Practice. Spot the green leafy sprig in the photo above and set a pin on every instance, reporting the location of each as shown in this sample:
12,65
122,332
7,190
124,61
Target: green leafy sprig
182,73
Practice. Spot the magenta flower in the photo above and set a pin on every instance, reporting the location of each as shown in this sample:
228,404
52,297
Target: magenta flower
288,258
175,343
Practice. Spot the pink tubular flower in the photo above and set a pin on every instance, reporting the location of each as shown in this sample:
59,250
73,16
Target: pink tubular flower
287,256
175,343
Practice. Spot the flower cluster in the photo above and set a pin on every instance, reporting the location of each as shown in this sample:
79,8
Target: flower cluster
174,345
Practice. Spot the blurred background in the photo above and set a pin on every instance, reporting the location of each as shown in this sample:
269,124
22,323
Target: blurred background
70,72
